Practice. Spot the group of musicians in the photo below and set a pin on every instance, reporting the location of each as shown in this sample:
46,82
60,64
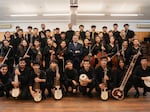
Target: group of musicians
35,57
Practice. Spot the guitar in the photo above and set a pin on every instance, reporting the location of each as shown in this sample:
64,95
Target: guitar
57,89
104,92
16,91
38,93
118,93
147,82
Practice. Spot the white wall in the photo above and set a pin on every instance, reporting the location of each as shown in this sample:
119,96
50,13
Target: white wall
63,25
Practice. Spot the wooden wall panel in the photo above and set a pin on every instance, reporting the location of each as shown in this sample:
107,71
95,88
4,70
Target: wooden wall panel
142,35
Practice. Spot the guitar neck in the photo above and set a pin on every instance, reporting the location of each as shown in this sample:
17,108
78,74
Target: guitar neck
129,71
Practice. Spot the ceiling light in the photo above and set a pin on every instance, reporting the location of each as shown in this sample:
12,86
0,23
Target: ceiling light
123,14
56,14
23,15
80,14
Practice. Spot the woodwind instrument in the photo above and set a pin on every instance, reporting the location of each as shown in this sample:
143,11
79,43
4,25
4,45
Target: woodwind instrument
118,93
16,90
38,93
57,89
104,92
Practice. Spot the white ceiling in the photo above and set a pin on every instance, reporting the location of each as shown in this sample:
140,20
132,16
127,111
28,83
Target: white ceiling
8,7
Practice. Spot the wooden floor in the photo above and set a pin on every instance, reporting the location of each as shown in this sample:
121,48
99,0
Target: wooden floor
78,104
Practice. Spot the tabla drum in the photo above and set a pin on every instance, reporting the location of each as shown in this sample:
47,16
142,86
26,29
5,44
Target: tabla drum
147,82
82,79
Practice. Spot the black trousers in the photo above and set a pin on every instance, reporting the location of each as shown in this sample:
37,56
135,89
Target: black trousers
6,89
25,93
140,83
68,84
83,89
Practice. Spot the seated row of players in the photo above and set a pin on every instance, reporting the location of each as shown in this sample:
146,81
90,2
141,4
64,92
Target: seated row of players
70,82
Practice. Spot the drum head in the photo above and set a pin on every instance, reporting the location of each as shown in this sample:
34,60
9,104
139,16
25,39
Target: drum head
83,77
147,83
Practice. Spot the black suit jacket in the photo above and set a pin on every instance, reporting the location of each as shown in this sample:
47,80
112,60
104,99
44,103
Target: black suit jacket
72,49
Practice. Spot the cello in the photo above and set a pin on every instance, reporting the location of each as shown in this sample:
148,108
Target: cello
115,58
89,56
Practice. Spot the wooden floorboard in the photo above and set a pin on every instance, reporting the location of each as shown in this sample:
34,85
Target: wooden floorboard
78,104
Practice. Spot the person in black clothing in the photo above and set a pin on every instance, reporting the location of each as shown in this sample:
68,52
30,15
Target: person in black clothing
17,41
118,76
70,78
116,33
129,33
105,35
75,51
57,34
62,38
9,37
69,33
5,81
100,77
16,33
51,77
35,35
23,73
23,53
134,50
111,48
126,52
10,58
140,75
43,27
48,53
93,32
89,82
121,38
62,55
86,48
82,32
98,48
37,53
29,34
37,76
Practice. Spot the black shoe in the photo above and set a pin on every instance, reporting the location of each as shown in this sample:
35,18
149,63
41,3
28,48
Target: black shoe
137,95
90,95
144,94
